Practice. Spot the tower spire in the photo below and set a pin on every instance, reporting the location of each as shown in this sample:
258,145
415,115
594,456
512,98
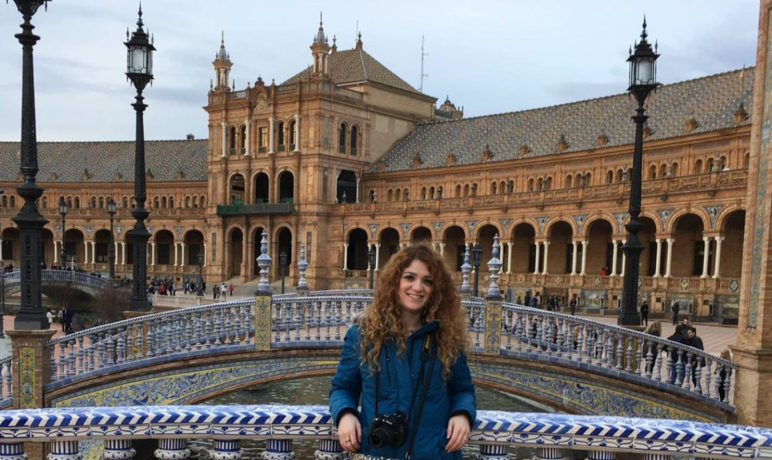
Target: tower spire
222,65
320,49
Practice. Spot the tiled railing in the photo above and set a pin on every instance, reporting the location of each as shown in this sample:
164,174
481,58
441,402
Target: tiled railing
61,276
495,433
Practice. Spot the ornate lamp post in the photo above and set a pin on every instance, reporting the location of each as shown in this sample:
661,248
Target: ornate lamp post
643,80
111,248
200,287
63,213
29,221
282,266
139,70
476,260
371,260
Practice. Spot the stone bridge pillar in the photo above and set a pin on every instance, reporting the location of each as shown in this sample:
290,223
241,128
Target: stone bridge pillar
30,371
753,349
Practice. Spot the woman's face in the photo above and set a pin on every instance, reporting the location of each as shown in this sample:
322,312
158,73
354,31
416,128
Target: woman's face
415,287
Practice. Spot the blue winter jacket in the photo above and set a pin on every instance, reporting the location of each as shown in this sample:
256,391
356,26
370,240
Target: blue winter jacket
398,375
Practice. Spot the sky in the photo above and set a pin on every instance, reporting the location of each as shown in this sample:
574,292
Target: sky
489,56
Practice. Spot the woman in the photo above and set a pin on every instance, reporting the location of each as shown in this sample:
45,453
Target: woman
406,362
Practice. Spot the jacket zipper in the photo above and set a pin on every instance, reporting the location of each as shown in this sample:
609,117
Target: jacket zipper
388,360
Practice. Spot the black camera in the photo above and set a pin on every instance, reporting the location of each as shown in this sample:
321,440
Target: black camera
388,430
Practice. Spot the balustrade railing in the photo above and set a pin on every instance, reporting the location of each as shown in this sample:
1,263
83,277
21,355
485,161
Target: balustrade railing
321,320
61,276
494,433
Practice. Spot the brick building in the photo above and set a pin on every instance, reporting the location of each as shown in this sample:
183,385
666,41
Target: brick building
345,154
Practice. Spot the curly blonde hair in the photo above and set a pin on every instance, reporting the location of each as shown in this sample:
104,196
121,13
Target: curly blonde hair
382,320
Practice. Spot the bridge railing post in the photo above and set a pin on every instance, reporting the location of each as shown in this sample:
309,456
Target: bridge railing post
493,300
263,299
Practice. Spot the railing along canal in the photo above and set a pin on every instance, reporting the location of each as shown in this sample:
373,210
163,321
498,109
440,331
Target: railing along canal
60,276
494,432
321,320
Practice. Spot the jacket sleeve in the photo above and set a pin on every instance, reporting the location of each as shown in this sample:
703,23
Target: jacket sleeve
347,382
461,390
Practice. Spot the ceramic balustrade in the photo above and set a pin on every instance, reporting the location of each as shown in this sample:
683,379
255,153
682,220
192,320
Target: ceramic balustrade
614,348
495,433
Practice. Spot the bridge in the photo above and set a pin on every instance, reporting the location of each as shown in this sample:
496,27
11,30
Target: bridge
91,283
494,433
189,355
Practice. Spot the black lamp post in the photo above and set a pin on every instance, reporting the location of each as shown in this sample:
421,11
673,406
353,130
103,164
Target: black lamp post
371,259
111,248
63,213
282,266
29,221
476,259
139,70
200,287
643,80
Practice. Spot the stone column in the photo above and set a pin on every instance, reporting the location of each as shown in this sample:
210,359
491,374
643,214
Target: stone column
442,249
115,251
659,256
573,257
271,129
509,257
1,249
30,372
717,263
152,253
345,256
669,262
93,252
753,349
297,132
546,256
175,253
705,256
182,259
123,252
624,259
358,187
584,257
224,138
377,255
614,254
205,256
246,137
56,251
85,252
536,265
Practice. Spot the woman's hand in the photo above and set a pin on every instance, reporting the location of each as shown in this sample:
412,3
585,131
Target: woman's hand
458,432
350,432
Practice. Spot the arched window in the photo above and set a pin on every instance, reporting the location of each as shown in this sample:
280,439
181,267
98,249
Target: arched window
675,169
540,184
458,190
342,138
232,140
710,165
510,186
156,203
698,167
423,193
280,135
548,183
125,203
202,201
610,177
569,180
291,135
663,170
243,140
163,202
431,193
187,202
724,165
5,201
746,160
501,187
493,188
474,189
171,202
619,175
530,184
92,203
389,195
195,202
397,194
653,172
13,201
466,189
354,139
45,202
405,195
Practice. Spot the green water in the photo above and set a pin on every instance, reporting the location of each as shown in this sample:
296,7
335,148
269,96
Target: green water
314,390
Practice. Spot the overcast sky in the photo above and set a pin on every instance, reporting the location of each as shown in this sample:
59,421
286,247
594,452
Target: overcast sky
488,56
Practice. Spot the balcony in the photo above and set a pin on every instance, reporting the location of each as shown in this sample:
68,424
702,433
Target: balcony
259,209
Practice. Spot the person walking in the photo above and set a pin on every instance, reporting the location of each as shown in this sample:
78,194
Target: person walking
411,338
693,340
230,289
572,305
645,313
675,307
67,320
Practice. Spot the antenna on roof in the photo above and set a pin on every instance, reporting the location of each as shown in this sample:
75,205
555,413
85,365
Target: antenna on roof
421,85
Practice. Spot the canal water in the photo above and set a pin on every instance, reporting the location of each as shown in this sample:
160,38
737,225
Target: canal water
314,390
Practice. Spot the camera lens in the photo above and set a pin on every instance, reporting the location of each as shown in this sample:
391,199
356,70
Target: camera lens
379,437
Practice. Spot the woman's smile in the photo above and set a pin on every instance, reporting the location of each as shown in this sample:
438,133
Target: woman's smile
415,287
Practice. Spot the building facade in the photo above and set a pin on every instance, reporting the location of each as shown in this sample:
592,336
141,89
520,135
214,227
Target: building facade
345,155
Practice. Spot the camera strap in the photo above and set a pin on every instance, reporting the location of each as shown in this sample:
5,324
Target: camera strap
428,349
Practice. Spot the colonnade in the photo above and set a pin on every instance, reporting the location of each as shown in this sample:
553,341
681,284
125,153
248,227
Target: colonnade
120,252
579,266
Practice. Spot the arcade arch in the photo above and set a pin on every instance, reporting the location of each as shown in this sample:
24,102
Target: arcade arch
356,252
